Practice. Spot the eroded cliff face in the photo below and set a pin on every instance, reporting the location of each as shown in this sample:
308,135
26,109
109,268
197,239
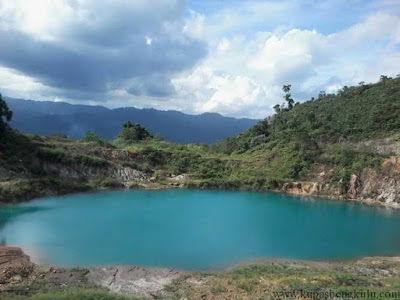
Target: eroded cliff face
384,186
311,188
370,185
119,172
116,154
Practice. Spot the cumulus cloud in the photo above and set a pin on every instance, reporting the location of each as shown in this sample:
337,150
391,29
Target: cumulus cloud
288,56
245,73
92,46
163,54
223,93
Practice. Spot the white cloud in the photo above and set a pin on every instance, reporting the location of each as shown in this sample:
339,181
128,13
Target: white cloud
243,75
285,56
21,86
223,45
233,95
194,25
149,40
40,18
222,93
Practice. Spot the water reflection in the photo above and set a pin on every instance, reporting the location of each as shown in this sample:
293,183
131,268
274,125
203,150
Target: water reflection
8,213
365,207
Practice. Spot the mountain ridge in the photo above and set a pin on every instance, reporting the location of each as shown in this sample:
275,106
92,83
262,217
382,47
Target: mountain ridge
48,118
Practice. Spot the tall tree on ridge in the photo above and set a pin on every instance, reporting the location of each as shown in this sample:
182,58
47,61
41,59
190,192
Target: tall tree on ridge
5,114
288,96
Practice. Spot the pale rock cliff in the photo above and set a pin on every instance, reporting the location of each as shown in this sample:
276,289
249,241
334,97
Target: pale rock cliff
116,171
369,186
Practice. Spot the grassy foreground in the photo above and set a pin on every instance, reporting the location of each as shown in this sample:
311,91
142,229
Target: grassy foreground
79,294
369,278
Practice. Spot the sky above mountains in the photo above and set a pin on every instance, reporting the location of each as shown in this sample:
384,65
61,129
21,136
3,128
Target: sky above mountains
230,57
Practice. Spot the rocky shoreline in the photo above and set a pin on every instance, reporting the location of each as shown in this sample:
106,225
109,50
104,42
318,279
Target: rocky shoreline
120,169
17,272
19,276
292,188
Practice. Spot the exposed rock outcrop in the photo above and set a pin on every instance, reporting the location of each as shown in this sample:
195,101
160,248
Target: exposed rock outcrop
384,188
116,154
138,281
14,265
16,269
370,185
308,188
353,186
112,170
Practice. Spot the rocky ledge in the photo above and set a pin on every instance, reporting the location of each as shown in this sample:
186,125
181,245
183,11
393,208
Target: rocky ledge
17,272
369,186
14,265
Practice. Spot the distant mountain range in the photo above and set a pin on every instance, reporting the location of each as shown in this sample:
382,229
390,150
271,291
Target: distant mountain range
48,118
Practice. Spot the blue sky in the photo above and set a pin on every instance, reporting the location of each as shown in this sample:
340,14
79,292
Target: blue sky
230,57
325,16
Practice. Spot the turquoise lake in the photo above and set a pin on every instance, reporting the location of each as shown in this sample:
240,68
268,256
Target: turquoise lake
195,230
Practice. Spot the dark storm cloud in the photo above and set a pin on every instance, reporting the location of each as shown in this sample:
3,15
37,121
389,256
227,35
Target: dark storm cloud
154,86
107,49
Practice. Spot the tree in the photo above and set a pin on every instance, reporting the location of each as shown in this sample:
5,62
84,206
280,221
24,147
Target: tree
384,78
286,88
277,108
261,128
5,114
321,95
127,124
288,96
90,136
133,132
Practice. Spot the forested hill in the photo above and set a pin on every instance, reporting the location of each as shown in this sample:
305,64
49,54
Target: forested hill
342,146
48,118
366,111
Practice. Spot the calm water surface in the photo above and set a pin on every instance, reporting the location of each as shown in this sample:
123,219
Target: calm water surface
195,230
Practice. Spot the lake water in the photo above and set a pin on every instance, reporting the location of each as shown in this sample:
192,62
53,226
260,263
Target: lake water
195,230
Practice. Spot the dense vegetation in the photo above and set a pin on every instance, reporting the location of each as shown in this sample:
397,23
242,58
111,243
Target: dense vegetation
354,113
133,133
297,143
300,136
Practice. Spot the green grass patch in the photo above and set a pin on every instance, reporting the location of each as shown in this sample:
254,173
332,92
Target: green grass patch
79,294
